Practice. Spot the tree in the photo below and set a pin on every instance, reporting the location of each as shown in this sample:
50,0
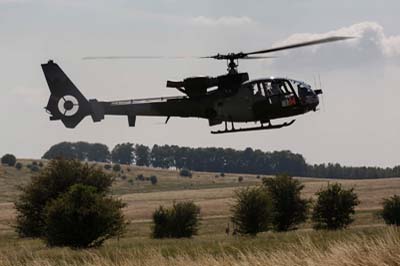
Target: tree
55,179
9,160
181,220
391,210
98,152
334,207
142,154
288,208
251,212
153,180
82,217
123,153
79,150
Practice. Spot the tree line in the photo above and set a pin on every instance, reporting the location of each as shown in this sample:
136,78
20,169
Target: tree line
223,160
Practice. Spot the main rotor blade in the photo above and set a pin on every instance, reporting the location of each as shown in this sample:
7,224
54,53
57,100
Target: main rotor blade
297,45
258,57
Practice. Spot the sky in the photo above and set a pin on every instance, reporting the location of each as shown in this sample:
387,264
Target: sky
357,123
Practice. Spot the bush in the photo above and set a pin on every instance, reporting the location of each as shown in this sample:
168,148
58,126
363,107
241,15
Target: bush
240,179
82,218
391,210
35,163
153,179
33,168
9,160
41,164
222,174
107,167
55,179
181,220
185,172
140,177
116,167
334,207
288,209
251,212
18,166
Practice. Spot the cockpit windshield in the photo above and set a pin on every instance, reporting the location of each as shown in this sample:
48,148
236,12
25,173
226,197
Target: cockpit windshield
271,87
303,89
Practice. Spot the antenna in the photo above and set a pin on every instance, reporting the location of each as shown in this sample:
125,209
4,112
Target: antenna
322,95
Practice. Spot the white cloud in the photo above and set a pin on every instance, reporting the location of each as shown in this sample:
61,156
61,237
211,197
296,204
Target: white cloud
222,21
371,45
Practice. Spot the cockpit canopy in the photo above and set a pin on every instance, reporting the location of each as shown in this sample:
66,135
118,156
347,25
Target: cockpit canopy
279,86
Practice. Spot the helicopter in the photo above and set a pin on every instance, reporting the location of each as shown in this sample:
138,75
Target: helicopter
226,99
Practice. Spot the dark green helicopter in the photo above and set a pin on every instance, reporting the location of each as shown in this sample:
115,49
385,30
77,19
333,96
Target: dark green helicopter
224,99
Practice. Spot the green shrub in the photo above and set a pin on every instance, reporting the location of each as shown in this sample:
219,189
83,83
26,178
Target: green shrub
107,166
240,179
19,166
55,179
334,207
181,220
116,167
82,218
391,210
34,168
41,164
288,208
251,212
9,160
185,172
222,174
153,179
140,177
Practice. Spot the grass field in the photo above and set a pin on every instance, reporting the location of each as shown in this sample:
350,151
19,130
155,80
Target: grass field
367,242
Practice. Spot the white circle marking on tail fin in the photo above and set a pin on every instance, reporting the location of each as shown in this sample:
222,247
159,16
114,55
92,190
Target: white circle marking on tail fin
68,105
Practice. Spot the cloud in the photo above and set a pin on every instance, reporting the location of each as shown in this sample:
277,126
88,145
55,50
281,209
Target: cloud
370,46
222,21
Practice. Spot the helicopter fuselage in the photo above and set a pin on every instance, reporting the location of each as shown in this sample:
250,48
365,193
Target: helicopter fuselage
252,102
231,98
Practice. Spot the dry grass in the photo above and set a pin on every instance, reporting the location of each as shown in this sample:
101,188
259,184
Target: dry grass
317,248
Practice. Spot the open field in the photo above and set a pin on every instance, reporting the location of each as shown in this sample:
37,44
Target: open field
368,241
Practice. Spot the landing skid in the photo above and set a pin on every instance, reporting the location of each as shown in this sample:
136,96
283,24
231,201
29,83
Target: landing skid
262,127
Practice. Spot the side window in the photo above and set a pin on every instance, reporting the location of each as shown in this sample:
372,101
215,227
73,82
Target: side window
268,88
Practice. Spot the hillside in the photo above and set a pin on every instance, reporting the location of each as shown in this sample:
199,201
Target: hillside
213,193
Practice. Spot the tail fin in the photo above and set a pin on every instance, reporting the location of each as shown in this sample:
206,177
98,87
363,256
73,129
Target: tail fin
66,102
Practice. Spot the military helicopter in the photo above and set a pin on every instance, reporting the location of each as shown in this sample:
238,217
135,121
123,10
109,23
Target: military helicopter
228,99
